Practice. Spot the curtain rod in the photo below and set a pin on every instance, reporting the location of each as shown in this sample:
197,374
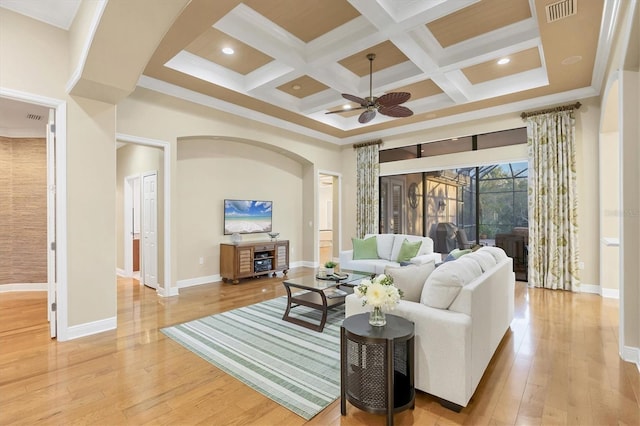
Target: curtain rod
360,145
577,105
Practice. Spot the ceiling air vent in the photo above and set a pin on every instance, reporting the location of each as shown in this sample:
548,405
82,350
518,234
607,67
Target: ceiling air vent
561,9
36,117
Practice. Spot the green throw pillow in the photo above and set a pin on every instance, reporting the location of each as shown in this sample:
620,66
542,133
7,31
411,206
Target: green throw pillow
408,250
457,253
365,249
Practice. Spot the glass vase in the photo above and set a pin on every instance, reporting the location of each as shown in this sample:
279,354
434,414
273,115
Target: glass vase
377,317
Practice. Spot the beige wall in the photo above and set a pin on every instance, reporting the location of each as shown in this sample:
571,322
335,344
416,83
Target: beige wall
610,209
27,48
23,210
35,60
152,115
91,200
212,170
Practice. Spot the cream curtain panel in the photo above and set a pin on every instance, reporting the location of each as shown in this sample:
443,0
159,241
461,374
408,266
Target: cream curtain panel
553,221
367,192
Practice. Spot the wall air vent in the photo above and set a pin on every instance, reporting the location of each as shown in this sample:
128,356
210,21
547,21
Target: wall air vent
36,117
561,9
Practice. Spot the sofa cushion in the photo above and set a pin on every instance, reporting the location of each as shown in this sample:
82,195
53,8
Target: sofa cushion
484,259
408,250
444,284
384,243
365,249
410,279
496,252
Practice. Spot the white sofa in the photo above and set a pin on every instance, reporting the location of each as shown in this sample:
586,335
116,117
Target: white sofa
454,344
388,248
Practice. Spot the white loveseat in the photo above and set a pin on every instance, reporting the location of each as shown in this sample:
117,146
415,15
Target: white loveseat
454,343
389,246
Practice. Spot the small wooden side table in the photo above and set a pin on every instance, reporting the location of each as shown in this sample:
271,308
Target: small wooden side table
376,365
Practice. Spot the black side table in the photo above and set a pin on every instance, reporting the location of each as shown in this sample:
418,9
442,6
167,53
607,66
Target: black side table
376,365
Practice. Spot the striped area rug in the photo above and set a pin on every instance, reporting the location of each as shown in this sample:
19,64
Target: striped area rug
294,366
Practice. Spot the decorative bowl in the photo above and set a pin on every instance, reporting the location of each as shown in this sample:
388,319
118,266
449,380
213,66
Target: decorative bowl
273,235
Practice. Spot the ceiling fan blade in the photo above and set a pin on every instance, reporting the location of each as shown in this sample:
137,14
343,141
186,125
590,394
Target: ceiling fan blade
345,110
394,98
367,116
355,99
396,111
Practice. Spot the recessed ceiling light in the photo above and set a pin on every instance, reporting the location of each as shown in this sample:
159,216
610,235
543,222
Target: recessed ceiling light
571,60
504,61
346,106
296,87
228,51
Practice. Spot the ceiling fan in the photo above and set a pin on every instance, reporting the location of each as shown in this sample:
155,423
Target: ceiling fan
387,104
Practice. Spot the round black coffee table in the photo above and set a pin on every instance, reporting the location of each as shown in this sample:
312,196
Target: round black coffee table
376,365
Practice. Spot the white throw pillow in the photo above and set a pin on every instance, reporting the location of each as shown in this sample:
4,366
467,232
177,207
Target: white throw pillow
444,284
385,244
484,259
410,279
496,252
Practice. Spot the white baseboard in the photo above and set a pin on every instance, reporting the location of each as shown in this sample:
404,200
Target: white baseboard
590,288
610,293
4,288
631,354
307,264
164,292
121,273
190,282
89,328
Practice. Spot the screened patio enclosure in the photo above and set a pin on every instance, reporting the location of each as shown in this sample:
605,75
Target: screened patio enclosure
484,202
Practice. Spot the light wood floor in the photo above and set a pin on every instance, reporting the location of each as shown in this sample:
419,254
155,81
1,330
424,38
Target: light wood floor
558,365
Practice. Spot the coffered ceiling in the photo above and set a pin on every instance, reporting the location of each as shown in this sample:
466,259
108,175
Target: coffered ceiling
293,59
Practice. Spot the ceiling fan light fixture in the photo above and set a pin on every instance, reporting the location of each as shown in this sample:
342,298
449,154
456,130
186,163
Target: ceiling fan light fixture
387,104
228,51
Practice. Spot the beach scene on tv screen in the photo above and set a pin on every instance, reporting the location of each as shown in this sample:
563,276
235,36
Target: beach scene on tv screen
247,216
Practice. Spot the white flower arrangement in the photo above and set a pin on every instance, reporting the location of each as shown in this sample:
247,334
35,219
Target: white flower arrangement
379,292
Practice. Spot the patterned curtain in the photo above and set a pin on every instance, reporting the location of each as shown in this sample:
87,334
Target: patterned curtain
553,204
367,195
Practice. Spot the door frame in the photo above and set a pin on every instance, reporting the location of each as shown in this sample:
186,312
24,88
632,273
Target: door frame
59,211
51,224
165,289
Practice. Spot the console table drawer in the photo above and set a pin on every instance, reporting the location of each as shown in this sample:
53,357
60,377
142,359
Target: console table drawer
267,247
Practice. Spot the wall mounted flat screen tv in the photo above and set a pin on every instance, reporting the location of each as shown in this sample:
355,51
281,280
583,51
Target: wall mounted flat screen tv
247,216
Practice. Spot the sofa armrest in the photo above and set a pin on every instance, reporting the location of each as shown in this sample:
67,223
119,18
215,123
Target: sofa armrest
345,256
443,351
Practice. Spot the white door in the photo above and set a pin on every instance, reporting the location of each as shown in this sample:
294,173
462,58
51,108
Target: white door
149,267
51,225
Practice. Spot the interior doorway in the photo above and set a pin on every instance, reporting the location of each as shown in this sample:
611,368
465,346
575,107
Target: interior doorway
138,157
28,117
328,217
